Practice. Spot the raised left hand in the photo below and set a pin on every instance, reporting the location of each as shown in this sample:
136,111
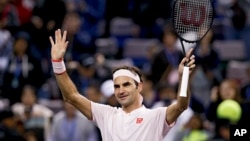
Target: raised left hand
191,62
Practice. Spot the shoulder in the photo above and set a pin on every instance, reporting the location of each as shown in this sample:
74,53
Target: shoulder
155,111
103,110
103,106
158,109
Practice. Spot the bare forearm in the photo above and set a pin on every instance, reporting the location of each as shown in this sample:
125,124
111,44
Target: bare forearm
175,109
66,86
72,96
183,102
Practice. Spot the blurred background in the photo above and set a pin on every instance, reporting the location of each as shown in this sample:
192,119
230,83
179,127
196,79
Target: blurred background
103,34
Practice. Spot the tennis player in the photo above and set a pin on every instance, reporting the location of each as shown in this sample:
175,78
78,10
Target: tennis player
131,122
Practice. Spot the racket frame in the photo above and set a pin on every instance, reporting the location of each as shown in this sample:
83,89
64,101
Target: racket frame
185,74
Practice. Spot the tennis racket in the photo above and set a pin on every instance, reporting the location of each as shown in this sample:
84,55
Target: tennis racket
193,17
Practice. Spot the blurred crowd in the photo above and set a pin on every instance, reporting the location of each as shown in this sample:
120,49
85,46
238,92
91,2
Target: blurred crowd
103,34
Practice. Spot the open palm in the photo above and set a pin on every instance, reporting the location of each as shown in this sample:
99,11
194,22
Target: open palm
59,46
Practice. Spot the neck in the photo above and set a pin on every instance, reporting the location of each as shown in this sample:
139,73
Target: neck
137,104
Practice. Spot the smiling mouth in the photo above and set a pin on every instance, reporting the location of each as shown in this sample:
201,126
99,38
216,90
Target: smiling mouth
123,97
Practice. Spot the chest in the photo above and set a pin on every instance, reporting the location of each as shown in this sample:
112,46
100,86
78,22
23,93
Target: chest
130,126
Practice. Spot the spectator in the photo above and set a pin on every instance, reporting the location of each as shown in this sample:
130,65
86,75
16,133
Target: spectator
148,14
8,127
29,104
236,21
91,15
208,72
151,53
70,124
6,44
224,131
228,89
22,69
24,10
148,92
166,96
72,23
93,92
103,71
165,63
49,90
8,17
85,73
209,60
44,20
193,130
33,115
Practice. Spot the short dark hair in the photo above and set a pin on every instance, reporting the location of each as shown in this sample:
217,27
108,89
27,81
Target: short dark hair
133,69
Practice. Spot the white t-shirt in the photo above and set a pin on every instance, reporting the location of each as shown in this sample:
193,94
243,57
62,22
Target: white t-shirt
141,124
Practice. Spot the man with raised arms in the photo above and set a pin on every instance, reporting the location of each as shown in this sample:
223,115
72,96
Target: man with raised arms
131,122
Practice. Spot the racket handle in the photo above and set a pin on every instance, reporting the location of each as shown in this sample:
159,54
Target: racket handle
184,82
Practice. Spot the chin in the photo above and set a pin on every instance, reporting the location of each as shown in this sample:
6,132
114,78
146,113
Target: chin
124,103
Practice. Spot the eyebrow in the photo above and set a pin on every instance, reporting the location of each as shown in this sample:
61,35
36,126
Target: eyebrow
124,84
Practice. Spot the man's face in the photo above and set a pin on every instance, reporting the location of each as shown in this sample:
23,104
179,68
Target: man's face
126,91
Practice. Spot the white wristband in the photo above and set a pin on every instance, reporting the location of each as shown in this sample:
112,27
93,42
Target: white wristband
58,66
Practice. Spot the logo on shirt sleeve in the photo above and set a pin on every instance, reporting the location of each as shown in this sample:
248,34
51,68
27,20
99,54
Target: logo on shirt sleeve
139,120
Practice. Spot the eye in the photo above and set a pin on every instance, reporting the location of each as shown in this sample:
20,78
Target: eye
116,86
126,84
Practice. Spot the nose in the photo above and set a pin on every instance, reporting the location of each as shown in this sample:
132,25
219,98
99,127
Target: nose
120,90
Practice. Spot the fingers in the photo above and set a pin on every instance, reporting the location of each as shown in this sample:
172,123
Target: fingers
188,60
184,60
189,53
59,37
67,42
56,36
51,41
191,61
192,67
64,36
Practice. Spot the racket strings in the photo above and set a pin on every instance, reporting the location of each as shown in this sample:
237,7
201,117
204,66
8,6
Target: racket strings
192,16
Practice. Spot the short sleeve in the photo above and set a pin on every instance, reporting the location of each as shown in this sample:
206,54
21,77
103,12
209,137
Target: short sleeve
100,112
161,120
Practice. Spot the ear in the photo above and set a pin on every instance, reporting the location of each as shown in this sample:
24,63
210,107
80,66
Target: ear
140,87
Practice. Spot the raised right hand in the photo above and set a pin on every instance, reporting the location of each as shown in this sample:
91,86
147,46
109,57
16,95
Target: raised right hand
59,46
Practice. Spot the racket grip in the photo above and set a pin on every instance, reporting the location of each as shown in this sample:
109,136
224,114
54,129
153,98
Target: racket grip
184,82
